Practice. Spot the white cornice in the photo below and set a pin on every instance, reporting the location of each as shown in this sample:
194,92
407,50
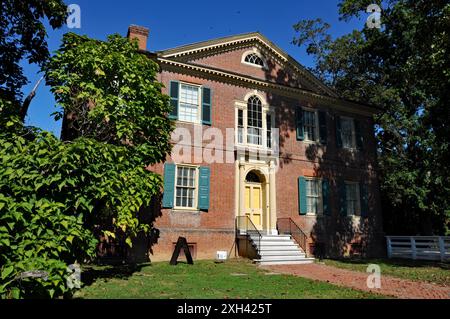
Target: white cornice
246,38
343,105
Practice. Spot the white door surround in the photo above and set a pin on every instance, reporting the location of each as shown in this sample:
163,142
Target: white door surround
265,169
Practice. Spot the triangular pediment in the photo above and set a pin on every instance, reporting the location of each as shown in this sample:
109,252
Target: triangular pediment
228,54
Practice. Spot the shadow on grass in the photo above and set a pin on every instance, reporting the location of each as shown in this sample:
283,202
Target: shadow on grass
91,273
395,262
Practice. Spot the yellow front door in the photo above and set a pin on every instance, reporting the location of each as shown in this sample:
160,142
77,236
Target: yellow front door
253,204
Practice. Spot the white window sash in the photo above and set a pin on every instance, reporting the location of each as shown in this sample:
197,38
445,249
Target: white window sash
315,127
247,130
310,198
355,200
195,187
182,109
352,142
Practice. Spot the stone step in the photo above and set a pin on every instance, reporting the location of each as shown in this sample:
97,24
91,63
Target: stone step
281,248
278,250
297,252
274,243
279,237
282,257
272,237
284,262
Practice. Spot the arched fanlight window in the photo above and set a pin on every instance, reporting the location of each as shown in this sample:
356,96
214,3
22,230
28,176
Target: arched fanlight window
254,120
253,58
252,177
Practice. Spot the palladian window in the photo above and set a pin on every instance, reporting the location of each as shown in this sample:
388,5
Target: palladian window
255,124
254,121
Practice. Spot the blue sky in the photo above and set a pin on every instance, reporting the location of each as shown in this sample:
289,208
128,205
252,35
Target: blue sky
175,23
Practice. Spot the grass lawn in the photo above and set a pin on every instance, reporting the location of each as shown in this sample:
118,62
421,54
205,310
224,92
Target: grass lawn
434,272
204,279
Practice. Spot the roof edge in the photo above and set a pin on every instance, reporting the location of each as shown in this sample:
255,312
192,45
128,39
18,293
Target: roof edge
211,44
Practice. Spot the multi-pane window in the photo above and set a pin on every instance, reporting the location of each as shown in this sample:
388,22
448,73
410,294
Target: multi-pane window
240,122
254,124
254,121
309,125
253,58
347,132
352,196
269,130
313,196
189,103
186,181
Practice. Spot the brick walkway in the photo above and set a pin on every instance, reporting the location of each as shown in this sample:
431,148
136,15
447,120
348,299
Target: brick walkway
390,286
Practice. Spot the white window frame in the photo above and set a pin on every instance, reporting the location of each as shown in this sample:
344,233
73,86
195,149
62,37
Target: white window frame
199,105
270,125
266,110
195,200
353,142
241,107
256,52
316,128
261,129
357,211
243,127
320,196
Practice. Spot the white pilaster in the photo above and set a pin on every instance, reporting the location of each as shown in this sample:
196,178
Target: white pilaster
272,197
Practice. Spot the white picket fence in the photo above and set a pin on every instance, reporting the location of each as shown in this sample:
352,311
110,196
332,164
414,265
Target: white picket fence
419,247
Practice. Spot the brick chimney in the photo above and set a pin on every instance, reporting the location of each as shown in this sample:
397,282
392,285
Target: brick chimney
139,33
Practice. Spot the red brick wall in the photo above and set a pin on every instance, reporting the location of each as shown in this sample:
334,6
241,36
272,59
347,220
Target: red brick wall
214,230
231,61
207,242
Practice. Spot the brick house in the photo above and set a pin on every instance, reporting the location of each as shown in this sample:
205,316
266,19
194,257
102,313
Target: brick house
302,161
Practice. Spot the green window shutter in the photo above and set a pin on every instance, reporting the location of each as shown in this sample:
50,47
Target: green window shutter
169,185
338,132
364,195
302,195
206,106
174,89
342,198
358,135
326,197
203,187
323,127
299,123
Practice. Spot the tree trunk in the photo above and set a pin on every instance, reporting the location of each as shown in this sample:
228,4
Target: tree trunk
26,104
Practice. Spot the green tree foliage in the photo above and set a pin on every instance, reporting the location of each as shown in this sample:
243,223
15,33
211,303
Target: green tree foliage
404,67
37,231
56,196
23,37
109,92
